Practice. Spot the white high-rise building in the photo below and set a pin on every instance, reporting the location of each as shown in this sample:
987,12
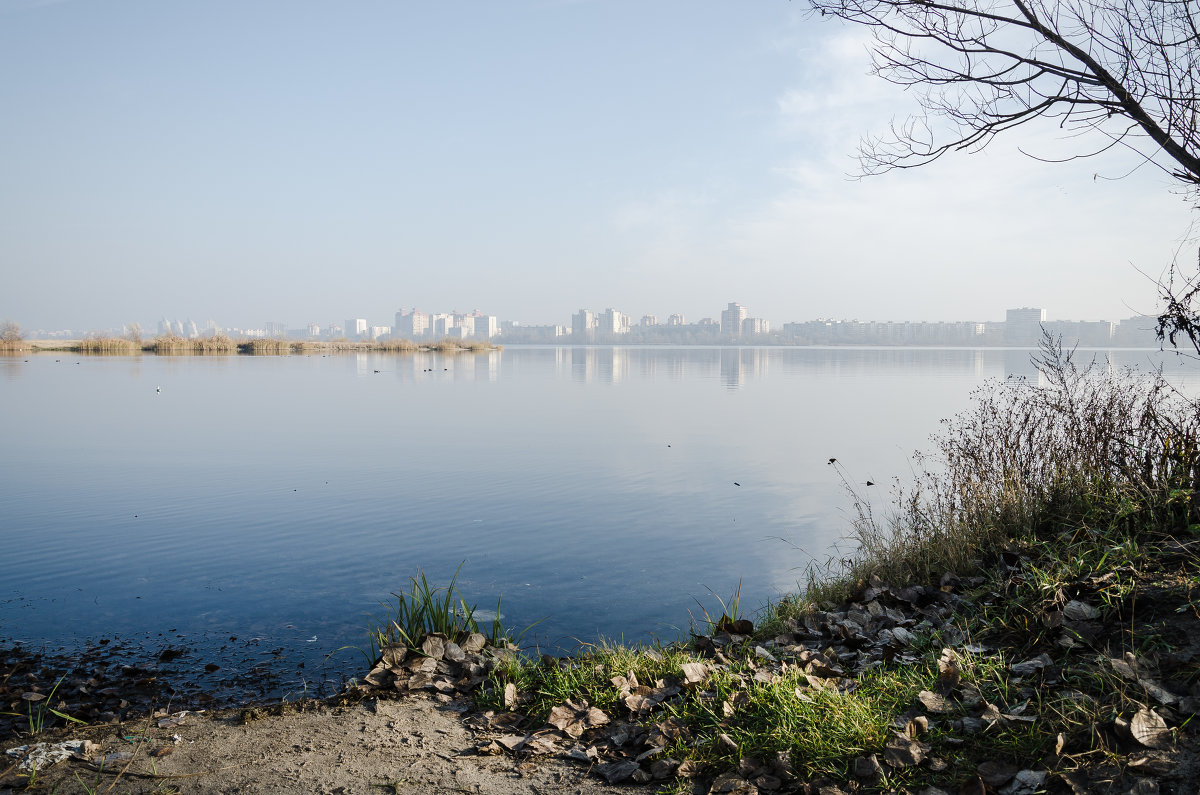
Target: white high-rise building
486,326
583,326
411,325
731,319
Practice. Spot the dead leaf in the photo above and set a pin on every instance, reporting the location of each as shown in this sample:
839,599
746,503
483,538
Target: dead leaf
867,766
1075,610
474,643
615,772
949,672
1025,782
576,717
694,673
1149,729
393,654
1031,666
932,701
434,646
510,695
916,727
902,752
996,774
513,742
625,684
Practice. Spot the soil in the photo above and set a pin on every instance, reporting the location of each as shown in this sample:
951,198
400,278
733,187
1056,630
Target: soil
413,744
156,730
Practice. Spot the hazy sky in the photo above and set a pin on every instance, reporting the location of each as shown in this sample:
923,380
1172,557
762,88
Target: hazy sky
308,161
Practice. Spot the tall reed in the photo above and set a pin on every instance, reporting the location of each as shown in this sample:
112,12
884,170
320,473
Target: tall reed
108,345
173,344
265,347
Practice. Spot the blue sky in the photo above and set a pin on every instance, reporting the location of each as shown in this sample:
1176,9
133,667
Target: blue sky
306,161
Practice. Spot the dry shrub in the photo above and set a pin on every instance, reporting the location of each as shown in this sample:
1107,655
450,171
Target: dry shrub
1092,446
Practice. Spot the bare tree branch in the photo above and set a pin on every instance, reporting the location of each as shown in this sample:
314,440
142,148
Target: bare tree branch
984,66
1125,71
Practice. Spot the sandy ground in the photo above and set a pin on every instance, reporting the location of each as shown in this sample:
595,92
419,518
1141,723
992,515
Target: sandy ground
412,745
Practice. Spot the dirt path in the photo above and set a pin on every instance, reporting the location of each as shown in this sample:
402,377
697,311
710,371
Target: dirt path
413,745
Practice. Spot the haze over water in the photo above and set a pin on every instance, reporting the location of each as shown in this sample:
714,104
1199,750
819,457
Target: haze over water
605,491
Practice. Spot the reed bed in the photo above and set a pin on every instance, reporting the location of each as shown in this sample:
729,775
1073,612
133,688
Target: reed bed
278,347
397,346
265,347
109,345
173,345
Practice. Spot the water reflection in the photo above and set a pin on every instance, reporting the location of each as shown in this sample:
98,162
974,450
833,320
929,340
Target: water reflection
282,497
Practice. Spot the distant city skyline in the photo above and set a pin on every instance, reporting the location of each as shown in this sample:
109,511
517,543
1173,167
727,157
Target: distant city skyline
735,322
309,162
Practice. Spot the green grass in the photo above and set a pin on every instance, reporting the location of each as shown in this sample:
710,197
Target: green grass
40,713
425,609
1081,489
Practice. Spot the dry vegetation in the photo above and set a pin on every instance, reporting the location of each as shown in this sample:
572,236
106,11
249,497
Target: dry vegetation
174,345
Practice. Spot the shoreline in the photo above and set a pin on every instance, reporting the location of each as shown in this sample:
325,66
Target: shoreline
226,346
1024,622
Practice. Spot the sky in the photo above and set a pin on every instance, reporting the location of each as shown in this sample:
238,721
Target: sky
308,161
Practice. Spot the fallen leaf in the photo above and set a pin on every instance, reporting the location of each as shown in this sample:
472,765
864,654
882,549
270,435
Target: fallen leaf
867,766
932,701
1075,610
615,772
576,717
1149,729
434,646
1025,782
902,752
949,673
995,774
510,695
694,673
513,742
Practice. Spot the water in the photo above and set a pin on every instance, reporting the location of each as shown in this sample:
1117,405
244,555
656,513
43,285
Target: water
251,508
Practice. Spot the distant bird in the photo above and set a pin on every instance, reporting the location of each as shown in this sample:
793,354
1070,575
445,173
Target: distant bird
833,460
377,371
158,389
668,445
870,483
736,483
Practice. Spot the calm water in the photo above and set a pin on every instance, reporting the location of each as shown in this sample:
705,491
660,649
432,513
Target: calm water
277,500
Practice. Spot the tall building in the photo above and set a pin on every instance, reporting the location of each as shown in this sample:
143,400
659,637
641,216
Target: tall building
611,322
486,326
1024,326
731,319
675,320
583,326
755,325
440,324
356,328
412,325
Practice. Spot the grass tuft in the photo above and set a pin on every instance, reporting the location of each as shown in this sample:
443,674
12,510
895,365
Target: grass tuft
425,609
